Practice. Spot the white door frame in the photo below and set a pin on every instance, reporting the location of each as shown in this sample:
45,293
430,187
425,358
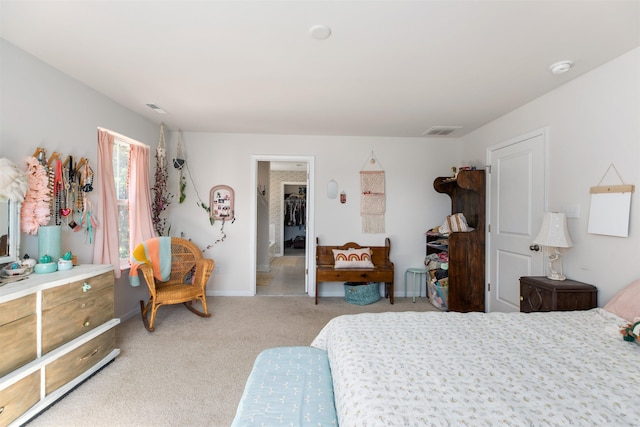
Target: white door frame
253,209
544,132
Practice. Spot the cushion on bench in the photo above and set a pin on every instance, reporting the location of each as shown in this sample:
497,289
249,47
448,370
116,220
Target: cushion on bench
289,386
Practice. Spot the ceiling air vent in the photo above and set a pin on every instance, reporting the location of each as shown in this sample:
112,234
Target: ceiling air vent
441,130
157,109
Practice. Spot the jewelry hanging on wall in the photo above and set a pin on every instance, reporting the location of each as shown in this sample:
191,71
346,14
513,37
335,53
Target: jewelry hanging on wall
51,174
58,191
65,209
87,183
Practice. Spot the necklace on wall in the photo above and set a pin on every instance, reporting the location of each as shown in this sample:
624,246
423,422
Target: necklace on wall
57,192
66,197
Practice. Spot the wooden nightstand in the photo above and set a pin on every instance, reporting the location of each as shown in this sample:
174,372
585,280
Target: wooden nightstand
543,294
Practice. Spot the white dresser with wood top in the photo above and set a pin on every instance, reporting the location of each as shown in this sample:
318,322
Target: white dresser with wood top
56,330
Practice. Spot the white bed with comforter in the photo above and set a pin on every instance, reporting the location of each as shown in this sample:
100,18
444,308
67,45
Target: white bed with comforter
482,369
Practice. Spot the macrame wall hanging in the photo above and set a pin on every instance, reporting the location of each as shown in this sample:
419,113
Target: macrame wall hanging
372,200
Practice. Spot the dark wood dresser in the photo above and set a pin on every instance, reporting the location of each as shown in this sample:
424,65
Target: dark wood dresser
543,294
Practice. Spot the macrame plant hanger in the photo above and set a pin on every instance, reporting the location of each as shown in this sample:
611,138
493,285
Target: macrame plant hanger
372,198
178,163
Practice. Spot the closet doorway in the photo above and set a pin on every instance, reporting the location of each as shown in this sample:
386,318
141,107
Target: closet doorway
283,222
293,224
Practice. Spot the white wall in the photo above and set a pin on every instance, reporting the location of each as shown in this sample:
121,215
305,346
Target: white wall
593,121
412,206
41,107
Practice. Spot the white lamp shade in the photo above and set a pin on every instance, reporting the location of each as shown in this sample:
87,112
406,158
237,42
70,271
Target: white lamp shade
332,189
554,231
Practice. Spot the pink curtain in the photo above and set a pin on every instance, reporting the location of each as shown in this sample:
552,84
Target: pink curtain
140,223
105,249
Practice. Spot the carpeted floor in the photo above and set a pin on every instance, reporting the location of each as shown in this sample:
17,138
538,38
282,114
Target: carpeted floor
191,371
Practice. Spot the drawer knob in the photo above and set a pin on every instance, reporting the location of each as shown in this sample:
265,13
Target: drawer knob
86,287
1,409
86,324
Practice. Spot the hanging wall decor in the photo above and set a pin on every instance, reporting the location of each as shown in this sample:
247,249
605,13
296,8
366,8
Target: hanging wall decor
162,197
372,202
221,201
221,206
35,208
178,163
64,187
609,212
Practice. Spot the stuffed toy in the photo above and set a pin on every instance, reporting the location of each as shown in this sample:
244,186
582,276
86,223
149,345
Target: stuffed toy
632,331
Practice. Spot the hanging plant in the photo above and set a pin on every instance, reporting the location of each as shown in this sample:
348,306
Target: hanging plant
183,186
207,209
162,197
179,163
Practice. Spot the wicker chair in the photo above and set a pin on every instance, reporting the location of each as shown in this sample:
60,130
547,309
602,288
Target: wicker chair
186,258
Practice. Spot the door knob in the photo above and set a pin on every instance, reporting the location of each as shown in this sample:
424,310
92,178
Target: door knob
534,247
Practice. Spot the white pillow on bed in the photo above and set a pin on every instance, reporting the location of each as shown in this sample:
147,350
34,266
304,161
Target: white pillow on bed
626,303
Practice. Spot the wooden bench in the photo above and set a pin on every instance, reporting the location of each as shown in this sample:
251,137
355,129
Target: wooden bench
382,271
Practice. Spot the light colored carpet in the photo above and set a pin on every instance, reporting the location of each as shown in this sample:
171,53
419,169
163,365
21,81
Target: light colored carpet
192,371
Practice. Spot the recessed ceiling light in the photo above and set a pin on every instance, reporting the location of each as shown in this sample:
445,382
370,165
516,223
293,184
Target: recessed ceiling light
320,32
561,67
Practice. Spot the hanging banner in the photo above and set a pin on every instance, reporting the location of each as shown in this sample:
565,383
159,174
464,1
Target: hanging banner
372,204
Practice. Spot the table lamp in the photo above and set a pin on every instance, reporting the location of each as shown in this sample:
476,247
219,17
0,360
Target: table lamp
554,235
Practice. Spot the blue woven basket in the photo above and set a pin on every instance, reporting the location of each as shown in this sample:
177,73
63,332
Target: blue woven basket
361,293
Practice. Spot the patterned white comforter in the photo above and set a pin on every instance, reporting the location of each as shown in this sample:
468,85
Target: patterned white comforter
477,369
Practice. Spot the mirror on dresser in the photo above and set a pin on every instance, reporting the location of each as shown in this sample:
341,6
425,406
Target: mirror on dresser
9,231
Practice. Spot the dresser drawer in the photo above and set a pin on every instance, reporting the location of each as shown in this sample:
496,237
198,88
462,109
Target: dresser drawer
17,309
65,322
81,288
17,398
17,333
74,363
18,343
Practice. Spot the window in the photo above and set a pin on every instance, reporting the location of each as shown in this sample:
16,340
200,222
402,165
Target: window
125,199
121,152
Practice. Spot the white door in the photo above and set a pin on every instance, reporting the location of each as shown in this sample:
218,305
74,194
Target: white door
516,206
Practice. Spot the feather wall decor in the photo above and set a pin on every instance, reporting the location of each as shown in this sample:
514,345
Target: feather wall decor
35,209
13,181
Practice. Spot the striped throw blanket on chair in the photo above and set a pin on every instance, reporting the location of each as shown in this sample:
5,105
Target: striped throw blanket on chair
157,253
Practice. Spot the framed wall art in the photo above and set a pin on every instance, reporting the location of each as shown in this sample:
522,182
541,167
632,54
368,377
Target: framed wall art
221,201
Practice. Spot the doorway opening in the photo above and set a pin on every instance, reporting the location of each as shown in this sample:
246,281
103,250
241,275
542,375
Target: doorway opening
283,220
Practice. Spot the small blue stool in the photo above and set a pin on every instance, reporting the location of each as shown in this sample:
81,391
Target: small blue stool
417,281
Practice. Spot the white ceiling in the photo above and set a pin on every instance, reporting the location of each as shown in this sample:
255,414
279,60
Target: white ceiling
390,68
